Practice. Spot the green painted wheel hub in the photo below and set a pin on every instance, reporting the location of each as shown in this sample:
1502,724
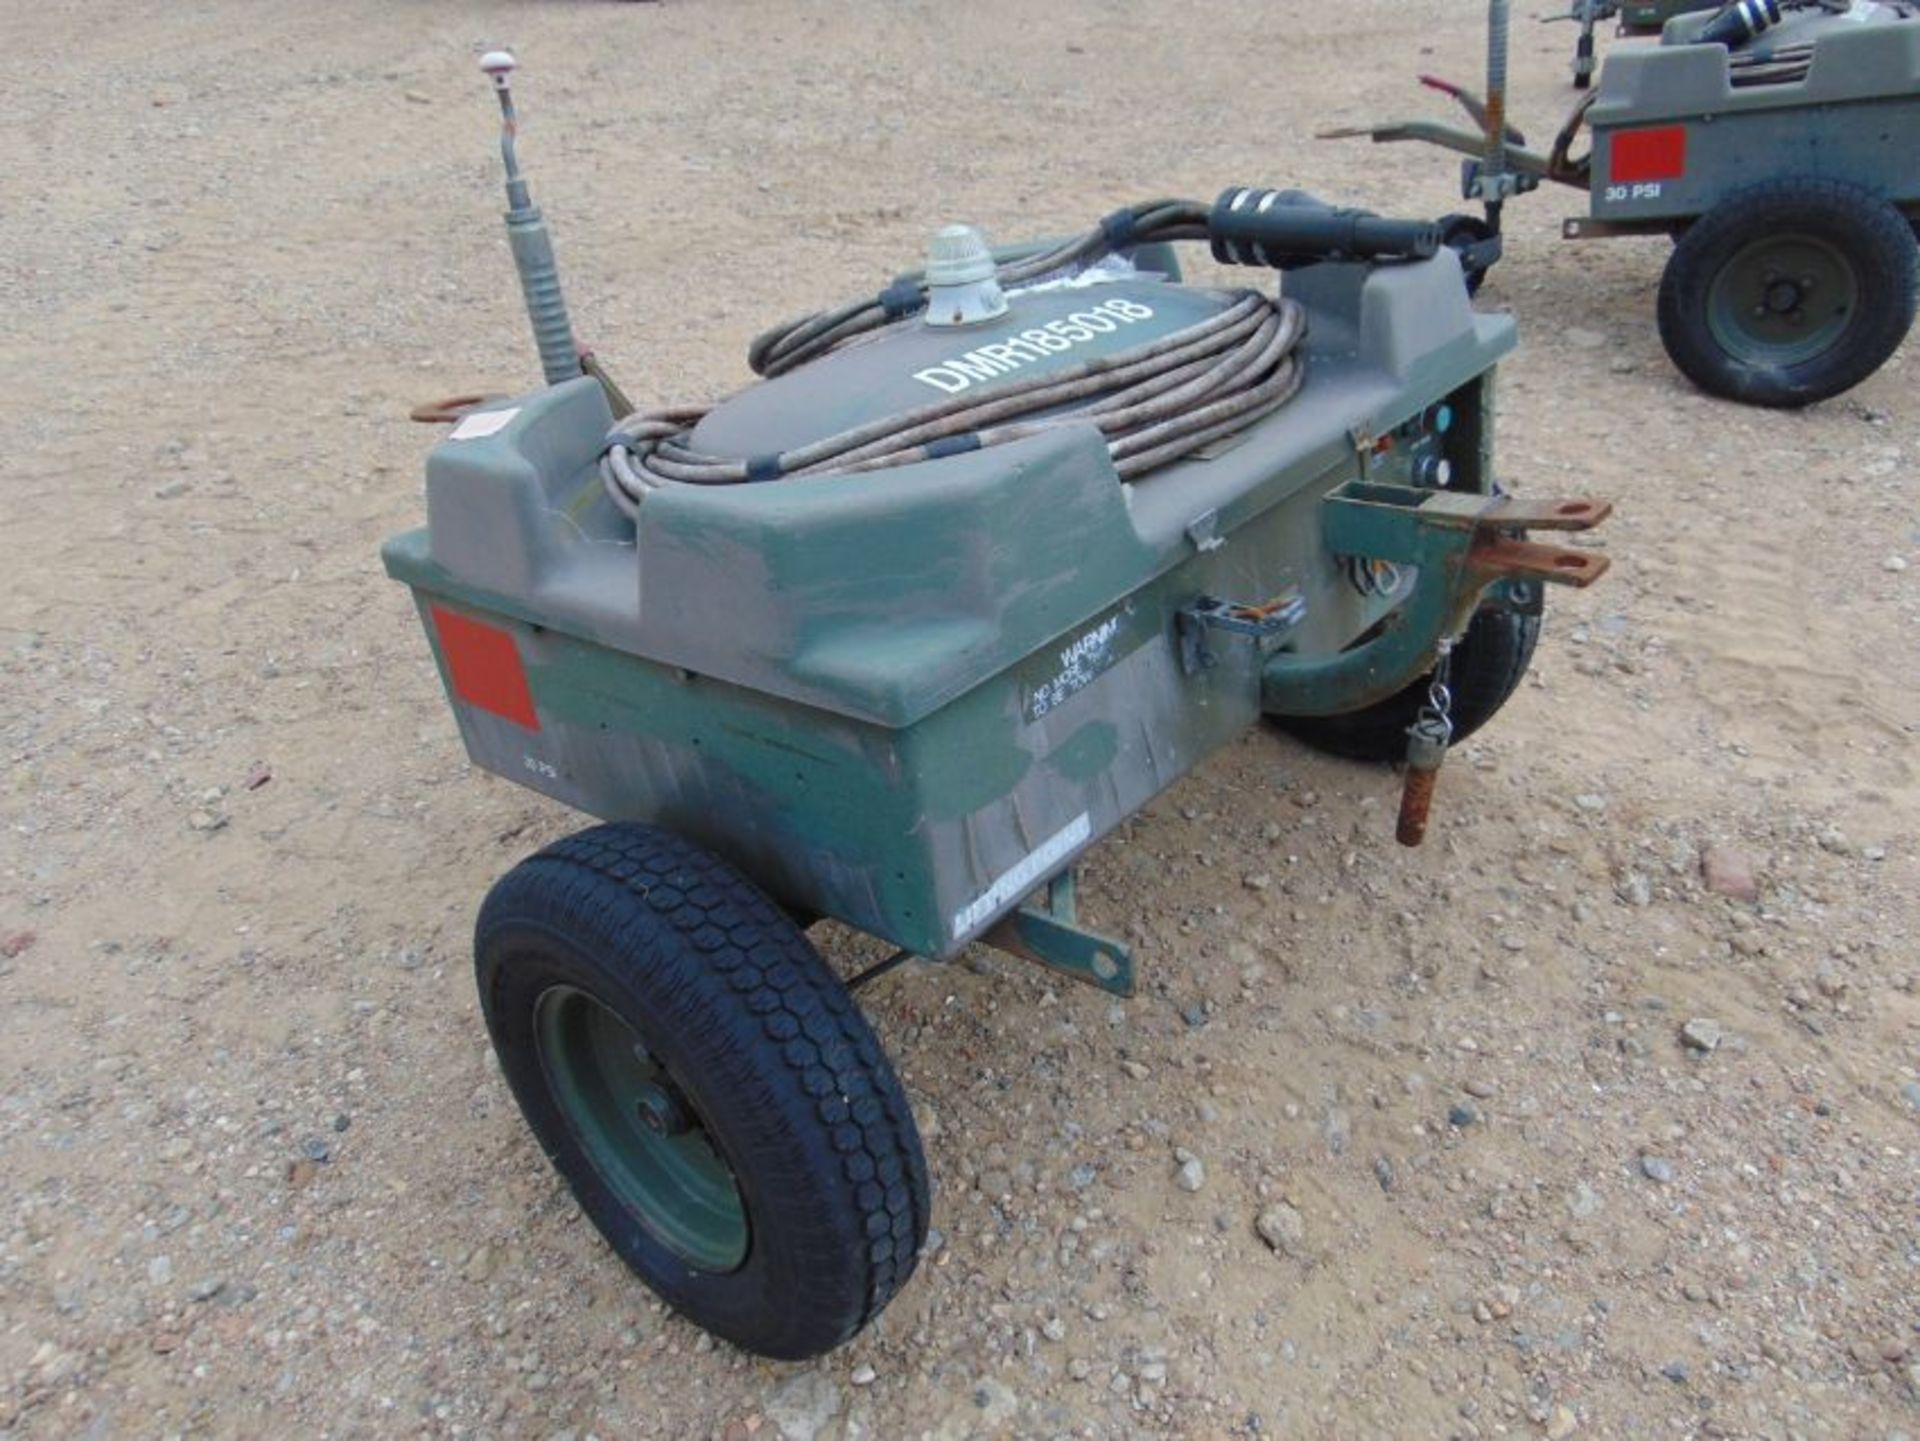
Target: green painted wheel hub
1782,300
638,1130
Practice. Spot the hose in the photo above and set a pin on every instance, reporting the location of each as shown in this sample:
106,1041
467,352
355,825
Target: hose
1153,402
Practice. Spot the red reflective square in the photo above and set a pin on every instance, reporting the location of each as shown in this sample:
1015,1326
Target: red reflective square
1649,154
485,667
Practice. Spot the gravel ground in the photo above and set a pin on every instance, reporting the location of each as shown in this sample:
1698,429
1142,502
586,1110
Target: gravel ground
1598,1116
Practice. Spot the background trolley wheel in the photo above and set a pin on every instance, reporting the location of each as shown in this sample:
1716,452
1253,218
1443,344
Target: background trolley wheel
1463,234
1789,292
706,1086
1488,663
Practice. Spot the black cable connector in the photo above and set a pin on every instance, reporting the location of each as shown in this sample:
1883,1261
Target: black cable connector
901,299
1289,229
1120,229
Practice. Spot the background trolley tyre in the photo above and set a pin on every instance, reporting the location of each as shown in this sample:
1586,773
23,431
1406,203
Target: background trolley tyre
1461,233
1488,664
706,1086
1789,292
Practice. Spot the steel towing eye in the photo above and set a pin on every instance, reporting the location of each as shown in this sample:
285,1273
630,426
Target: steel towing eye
1461,545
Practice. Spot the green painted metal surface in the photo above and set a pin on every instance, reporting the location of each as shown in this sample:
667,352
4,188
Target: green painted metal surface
644,1141
1783,299
1855,117
909,699
1050,934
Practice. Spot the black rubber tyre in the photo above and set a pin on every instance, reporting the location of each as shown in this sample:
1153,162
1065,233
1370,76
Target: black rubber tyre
1737,318
1460,232
769,1062
1488,664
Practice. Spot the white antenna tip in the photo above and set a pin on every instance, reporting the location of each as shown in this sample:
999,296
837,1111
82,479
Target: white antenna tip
498,63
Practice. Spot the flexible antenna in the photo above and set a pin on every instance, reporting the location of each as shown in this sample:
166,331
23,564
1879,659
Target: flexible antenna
532,246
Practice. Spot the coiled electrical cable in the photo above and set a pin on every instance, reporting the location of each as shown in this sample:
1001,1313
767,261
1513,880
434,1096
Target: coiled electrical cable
797,341
1153,402
1786,65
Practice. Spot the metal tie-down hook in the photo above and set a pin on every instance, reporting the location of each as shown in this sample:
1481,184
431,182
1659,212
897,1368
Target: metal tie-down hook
1427,741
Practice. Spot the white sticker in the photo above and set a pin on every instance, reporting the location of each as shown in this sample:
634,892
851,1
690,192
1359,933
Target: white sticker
1036,867
1082,662
482,423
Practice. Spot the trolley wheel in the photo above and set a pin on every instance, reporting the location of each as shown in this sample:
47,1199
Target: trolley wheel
1488,662
706,1086
1789,292
1462,233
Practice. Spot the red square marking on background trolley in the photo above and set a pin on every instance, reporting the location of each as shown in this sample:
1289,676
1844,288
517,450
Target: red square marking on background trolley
1659,154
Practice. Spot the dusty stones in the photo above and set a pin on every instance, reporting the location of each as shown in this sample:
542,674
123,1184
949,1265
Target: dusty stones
1283,1228
1702,1035
1728,872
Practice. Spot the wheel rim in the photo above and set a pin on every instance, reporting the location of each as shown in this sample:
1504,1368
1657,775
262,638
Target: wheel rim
1782,300
638,1130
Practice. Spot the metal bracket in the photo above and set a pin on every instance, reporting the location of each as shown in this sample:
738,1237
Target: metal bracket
1410,525
1366,440
1460,543
1051,936
1476,184
1204,531
1586,227
1265,621
1496,557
